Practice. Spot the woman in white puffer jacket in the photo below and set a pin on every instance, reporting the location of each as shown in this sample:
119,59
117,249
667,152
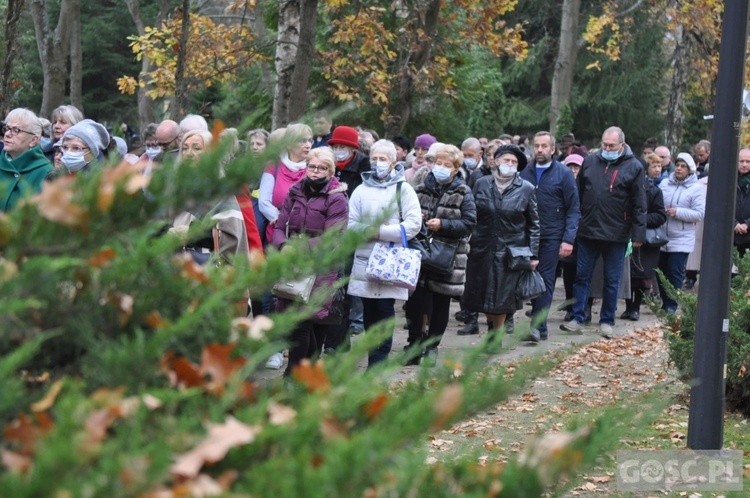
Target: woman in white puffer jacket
685,203
370,201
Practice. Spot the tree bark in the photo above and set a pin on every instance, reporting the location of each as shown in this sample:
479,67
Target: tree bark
303,59
400,107
180,100
12,17
261,34
287,43
676,109
54,47
565,65
76,57
145,103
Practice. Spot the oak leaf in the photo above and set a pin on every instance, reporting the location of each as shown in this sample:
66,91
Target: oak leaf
55,203
216,362
312,376
102,258
279,414
376,406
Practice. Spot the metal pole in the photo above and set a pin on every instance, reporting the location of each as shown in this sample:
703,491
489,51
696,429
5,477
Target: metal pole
706,422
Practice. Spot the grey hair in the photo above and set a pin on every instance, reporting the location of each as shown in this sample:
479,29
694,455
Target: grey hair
68,113
193,122
703,144
615,129
28,119
385,146
546,134
473,143
258,132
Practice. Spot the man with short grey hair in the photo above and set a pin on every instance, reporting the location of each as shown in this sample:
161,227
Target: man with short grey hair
472,149
611,186
666,159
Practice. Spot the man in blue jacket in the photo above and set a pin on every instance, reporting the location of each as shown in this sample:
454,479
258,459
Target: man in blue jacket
559,211
611,186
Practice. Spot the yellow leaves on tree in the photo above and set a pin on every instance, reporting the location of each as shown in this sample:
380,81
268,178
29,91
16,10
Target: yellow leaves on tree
215,53
604,35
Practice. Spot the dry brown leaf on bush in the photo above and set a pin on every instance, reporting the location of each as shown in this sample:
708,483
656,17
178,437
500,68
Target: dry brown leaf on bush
15,462
377,405
312,376
48,400
129,175
55,203
447,404
279,414
255,328
189,269
216,362
155,320
332,428
24,432
181,372
221,438
102,258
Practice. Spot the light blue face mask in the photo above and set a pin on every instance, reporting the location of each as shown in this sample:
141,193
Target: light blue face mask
44,142
74,162
381,169
441,173
470,163
611,155
506,170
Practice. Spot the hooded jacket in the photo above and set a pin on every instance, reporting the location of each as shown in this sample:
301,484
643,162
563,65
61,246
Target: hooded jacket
22,176
557,201
311,216
369,203
453,204
689,197
613,198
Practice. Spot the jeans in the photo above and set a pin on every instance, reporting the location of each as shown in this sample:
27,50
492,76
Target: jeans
377,310
355,313
549,254
672,264
613,257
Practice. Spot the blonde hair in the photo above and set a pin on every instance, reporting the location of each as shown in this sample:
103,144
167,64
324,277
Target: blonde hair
67,113
296,133
325,154
206,136
453,153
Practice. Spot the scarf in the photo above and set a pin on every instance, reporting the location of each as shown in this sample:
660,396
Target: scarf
502,182
743,180
293,167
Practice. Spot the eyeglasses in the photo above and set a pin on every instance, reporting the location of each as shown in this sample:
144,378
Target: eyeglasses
14,130
74,149
164,145
319,169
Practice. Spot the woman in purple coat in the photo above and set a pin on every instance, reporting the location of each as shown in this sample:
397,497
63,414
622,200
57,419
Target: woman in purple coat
314,205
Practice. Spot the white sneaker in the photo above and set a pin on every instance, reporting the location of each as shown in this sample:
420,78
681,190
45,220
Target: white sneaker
276,361
605,330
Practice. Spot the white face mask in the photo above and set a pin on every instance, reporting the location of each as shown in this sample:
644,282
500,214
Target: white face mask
72,161
342,155
507,170
152,152
381,169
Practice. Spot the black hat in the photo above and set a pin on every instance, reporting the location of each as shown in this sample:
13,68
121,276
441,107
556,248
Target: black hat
516,151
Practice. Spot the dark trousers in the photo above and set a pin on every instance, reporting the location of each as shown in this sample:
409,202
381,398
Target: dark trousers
377,310
569,277
613,257
425,305
549,255
672,264
306,342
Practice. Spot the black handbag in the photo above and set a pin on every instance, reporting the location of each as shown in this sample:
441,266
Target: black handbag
441,255
656,237
530,286
519,258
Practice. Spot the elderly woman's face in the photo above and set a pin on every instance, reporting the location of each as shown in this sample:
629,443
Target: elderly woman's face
59,127
192,147
257,144
444,160
17,139
508,159
299,152
75,146
489,156
654,169
681,170
317,169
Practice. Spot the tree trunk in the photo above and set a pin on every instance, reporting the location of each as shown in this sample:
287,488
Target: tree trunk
676,108
145,103
261,34
76,57
303,59
286,55
53,49
180,100
562,79
400,107
13,15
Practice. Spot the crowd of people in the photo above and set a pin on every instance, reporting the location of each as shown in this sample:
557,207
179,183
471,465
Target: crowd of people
604,219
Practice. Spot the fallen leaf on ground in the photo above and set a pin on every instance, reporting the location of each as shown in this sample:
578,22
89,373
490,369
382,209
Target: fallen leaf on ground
48,400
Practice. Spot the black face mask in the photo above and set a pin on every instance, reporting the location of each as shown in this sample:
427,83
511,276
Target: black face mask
315,185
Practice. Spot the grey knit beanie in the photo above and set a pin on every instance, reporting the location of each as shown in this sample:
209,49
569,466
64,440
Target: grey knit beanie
93,134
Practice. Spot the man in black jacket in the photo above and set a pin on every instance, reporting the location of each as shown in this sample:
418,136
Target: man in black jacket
613,211
559,211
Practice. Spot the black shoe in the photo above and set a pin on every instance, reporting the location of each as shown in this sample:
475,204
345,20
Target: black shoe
529,313
534,336
626,315
634,316
471,328
430,357
568,316
413,361
462,316
689,284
